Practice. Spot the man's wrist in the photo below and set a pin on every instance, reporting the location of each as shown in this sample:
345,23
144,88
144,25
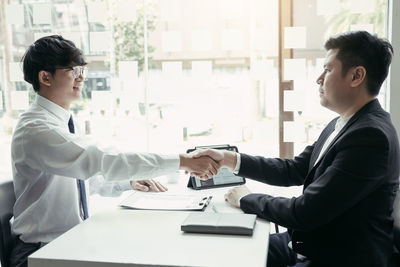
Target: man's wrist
183,164
229,160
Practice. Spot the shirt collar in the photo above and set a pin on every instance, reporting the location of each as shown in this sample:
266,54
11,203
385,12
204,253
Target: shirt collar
340,123
53,108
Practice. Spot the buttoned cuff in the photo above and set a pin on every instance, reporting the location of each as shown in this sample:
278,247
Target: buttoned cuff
237,167
124,185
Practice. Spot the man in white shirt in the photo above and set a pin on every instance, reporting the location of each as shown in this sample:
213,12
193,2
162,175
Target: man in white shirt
50,159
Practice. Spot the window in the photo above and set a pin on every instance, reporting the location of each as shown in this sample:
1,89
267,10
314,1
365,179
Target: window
210,74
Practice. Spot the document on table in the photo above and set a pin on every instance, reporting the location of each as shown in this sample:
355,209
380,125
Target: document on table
163,201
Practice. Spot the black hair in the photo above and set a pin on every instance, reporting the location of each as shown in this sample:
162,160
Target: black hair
49,53
360,48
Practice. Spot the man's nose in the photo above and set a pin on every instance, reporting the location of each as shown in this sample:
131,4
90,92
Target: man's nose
320,79
80,77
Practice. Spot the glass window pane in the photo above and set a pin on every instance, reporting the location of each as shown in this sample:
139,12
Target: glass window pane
15,14
41,14
204,58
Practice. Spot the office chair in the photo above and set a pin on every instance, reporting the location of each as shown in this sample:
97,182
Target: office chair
396,229
7,238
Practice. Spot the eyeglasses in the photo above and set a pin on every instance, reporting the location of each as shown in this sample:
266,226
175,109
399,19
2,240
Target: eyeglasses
77,71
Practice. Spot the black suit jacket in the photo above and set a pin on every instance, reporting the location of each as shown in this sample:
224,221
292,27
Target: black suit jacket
343,217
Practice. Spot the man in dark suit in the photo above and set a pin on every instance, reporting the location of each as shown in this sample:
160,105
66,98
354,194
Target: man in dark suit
350,174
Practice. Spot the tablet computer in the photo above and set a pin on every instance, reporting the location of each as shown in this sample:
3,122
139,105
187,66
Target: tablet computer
224,177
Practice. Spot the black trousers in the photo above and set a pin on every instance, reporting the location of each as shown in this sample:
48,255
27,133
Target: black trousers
280,255
21,251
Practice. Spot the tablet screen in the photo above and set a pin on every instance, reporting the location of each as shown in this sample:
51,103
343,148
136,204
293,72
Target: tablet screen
224,177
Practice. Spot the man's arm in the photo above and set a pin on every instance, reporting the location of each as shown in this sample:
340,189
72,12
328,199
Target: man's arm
361,163
274,171
65,154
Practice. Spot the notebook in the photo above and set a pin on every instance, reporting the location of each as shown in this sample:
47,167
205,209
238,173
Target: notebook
220,223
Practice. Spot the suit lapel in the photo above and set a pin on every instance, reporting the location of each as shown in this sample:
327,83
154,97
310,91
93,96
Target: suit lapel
321,141
372,105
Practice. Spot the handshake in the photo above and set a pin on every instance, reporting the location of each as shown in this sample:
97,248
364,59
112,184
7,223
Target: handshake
205,164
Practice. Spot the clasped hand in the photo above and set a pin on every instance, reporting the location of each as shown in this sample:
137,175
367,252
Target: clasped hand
203,167
223,158
200,165
226,159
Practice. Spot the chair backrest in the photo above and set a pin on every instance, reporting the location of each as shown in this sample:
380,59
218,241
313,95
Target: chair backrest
396,216
7,239
7,197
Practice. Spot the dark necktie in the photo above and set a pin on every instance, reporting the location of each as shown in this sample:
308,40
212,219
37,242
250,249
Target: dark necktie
81,183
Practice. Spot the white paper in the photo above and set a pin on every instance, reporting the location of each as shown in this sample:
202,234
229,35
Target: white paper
294,69
328,7
362,6
16,73
115,84
172,69
262,69
75,37
293,100
97,11
164,201
128,70
99,41
102,100
19,100
171,41
202,40
125,10
41,14
295,37
304,86
362,27
15,14
293,131
170,10
202,69
230,9
231,40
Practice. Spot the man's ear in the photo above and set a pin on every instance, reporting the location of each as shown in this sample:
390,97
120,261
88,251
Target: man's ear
359,75
44,78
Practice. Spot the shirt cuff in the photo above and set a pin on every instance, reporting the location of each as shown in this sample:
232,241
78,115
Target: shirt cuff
237,167
125,185
172,162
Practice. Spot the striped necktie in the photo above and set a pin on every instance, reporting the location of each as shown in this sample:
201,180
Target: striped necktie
81,183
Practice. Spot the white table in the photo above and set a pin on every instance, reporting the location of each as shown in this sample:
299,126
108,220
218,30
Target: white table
119,237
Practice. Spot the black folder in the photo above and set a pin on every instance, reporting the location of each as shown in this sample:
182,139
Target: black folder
219,223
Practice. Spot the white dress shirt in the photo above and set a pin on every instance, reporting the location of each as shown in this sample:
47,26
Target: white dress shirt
340,123
47,159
